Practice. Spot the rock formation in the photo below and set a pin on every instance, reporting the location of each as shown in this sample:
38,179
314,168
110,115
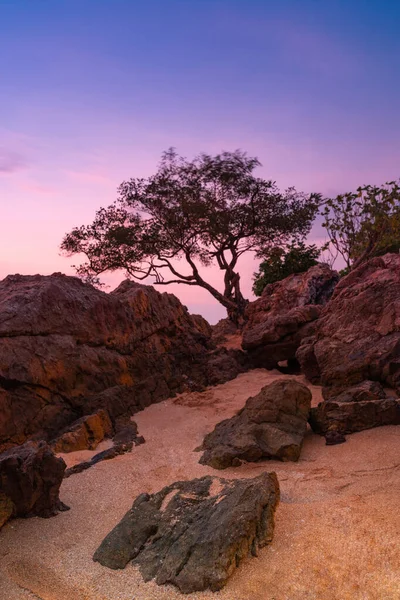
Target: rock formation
68,350
85,433
30,479
285,313
357,336
194,534
270,425
357,339
359,407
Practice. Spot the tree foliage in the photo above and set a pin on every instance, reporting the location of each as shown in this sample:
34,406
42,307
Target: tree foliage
364,223
282,262
188,215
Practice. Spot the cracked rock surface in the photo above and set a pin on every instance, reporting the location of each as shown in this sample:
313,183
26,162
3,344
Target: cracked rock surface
272,424
194,534
68,350
30,480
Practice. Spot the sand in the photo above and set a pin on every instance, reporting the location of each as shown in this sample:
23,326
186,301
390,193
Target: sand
337,526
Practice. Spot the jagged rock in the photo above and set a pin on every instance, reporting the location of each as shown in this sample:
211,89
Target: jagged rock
194,534
127,432
357,336
222,330
86,433
362,392
270,425
68,350
30,477
285,314
224,365
349,417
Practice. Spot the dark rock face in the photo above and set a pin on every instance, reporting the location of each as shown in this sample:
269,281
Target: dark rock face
68,350
357,336
194,534
362,392
348,417
6,509
285,314
271,425
30,479
222,330
355,347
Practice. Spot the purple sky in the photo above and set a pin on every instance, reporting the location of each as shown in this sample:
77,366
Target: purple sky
92,91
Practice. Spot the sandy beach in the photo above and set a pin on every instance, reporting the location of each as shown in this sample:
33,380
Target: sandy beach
337,526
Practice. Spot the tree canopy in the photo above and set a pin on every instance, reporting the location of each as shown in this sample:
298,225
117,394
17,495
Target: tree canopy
282,262
364,223
188,215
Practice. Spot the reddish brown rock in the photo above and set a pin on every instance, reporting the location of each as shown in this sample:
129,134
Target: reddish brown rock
285,314
86,433
349,417
68,350
270,425
357,336
30,477
6,509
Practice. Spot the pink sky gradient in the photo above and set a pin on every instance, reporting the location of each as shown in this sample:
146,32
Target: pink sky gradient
92,92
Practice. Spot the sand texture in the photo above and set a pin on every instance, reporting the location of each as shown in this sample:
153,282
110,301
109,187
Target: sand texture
337,534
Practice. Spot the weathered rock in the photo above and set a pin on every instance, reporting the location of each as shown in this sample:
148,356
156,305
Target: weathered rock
86,433
68,350
194,534
349,417
224,365
6,509
285,313
222,330
127,432
271,425
30,477
357,336
333,438
361,392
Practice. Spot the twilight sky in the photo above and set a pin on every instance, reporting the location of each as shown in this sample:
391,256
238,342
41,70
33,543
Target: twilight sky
92,91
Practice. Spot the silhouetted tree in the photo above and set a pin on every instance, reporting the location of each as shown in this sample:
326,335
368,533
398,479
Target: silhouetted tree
210,210
364,223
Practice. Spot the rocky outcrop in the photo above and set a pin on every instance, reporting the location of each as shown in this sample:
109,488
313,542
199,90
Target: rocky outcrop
194,534
271,425
223,330
30,479
285,314
357,336
68,350
356,408
85,433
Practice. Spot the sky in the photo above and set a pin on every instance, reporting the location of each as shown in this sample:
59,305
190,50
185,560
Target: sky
92,92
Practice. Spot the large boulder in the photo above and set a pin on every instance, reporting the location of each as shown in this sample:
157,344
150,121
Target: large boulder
357,336
285,313
194,534
30,479
68,350
272,424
